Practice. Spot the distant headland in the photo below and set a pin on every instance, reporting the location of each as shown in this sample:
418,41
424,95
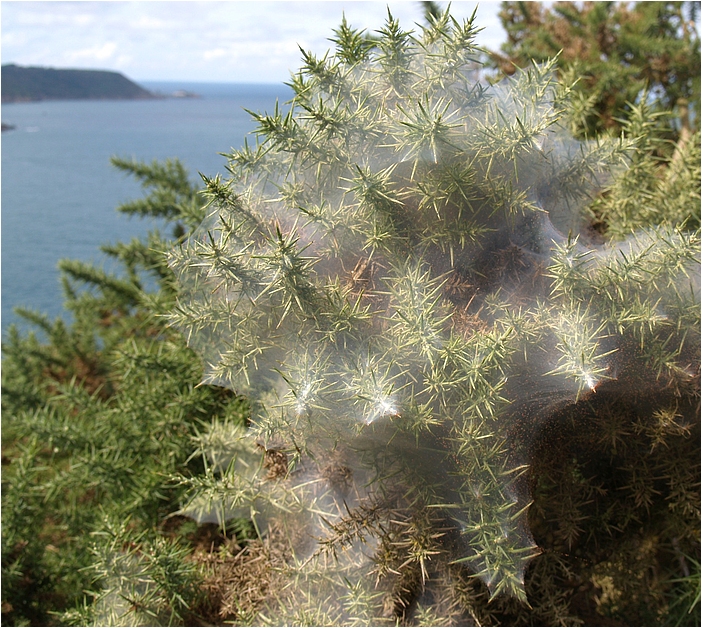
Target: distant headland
27,84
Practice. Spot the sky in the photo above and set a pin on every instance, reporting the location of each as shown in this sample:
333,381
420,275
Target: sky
221,41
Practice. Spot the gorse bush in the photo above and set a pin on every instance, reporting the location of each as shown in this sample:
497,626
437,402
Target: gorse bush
469,346
618,50
97,414
443,365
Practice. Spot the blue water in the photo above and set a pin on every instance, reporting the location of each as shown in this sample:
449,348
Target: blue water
59,191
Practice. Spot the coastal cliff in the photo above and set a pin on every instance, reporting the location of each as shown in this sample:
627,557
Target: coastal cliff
26,84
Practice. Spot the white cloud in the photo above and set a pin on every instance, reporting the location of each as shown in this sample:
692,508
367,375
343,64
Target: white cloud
208,55
17,38
148,22
252,41
83,19
97,53
124,61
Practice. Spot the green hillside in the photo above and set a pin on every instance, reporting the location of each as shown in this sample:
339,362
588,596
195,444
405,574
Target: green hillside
22,84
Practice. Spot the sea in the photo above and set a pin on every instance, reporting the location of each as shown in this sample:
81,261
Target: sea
59,191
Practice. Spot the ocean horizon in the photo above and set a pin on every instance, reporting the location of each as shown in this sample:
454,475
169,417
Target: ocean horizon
59,191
